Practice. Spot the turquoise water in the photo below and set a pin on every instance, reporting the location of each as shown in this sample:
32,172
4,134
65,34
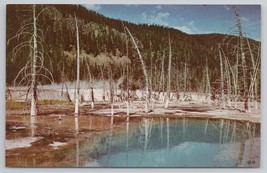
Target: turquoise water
183,142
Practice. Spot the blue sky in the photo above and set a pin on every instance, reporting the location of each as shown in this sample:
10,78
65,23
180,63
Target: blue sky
192,19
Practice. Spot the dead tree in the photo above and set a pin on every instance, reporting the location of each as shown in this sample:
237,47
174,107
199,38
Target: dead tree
91,90
177,82
222,78
231,80
32,72
144,69
185,74
127,77
63,81
34,62
127,85
253,86
104,84
169,75
111,92
243,57
228,81
77,87
208,91
162,76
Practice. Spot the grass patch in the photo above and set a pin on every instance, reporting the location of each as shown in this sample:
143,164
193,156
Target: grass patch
20,105
15,105
53,102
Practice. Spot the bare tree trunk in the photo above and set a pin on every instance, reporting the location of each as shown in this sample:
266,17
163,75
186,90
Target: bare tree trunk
208,82
235,79
33,125
253,84
63,81
104,85
92,96
91,84
127,78
162,81
222,78
150,81
35,64
144,69
92,92
243,58
228,81
77,89
177,82
77,141
185,76
169,75
256,94
257,81
34,83
111,87
128,92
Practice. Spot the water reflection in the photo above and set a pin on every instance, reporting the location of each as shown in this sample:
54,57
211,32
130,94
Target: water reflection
206,127
233,132
110,139
165,142
221,127
127,140
184,128
161,128
168,133
145,128
242,148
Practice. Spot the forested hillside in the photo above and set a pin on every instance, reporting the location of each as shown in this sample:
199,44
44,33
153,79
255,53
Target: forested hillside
106,47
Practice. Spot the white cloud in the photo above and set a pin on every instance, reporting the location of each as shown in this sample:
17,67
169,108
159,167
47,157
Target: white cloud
93,7
188,27
244,19
191,24
158,18
184,28
161,15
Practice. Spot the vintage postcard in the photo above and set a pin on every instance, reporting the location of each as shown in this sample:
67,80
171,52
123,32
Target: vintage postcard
133,85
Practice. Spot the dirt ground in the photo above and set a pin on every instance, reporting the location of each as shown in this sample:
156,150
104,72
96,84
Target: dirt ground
59,137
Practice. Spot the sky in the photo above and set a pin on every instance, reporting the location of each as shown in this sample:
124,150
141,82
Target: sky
191,19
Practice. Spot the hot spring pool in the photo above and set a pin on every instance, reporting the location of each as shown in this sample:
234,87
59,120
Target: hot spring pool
184,142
